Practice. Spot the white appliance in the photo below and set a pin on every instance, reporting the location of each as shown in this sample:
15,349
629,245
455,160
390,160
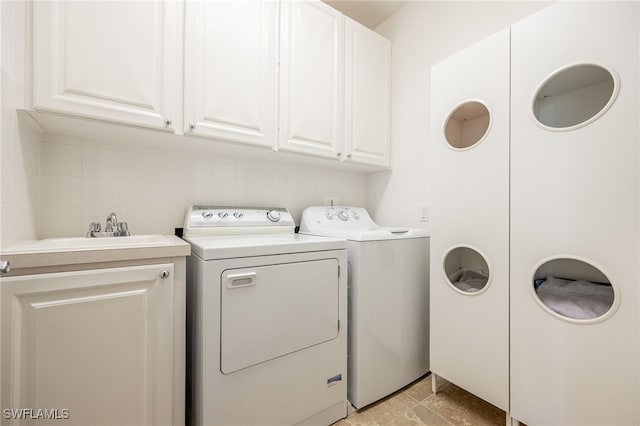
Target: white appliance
267,310
388,300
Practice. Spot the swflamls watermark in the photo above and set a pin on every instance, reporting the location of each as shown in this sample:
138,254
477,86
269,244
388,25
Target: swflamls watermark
36,413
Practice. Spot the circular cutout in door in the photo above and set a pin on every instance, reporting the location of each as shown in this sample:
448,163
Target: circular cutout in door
466,270
574,96
574,290
467,125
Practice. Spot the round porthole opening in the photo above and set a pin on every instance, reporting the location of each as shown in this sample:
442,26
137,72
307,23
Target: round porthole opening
574,96
467,125
574,290
466,270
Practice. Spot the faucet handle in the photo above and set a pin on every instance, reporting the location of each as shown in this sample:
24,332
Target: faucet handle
94,227
123,229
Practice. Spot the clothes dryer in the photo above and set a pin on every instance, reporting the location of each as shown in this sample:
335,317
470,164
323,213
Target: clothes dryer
266,320
388,284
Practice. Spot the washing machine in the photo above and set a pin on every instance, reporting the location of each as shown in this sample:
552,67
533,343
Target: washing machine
388,288
266,320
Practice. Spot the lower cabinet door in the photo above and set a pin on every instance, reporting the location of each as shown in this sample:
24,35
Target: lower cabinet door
91,347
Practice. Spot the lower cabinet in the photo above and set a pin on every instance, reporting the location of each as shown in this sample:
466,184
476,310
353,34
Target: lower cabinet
99,347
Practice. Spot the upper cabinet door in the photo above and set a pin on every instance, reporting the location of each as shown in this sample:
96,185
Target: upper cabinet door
367,95
311,78
115,61
230,70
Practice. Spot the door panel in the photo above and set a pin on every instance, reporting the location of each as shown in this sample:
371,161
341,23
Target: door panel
311,78
115,61
270,311
230,70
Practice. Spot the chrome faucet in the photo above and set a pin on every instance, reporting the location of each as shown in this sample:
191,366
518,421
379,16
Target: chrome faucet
113,228
112,223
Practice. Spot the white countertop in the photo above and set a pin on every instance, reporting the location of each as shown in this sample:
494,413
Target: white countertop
71,251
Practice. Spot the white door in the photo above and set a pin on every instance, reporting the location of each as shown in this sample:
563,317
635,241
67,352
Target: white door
230,70
116,61
270,311
367,95
575,196
470,241
98,344
311,79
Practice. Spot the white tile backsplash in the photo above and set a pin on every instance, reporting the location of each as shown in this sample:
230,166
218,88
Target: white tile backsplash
61,191
61,160
101,192
152,188
62,222
20,139
100,162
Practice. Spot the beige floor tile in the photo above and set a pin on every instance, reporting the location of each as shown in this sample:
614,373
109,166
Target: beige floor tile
462,408
428,417
416,405
420,389
383,412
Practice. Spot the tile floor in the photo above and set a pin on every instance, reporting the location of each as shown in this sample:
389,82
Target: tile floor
416,405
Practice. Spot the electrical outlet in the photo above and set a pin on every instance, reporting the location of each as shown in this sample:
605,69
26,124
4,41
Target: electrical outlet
424,214
330,201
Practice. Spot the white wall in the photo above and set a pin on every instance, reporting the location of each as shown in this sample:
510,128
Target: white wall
20,139
150,187
424,33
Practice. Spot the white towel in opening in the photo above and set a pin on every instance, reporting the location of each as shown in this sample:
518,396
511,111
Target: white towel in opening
469,280
576,299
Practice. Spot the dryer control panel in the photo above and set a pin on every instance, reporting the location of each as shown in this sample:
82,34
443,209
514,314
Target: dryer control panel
230,220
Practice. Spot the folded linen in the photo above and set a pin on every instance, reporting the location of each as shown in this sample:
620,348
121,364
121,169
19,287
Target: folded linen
576,299
469,280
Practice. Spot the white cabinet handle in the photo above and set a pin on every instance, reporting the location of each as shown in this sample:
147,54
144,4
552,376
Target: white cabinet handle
164,274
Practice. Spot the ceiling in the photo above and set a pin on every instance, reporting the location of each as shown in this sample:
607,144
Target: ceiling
369,13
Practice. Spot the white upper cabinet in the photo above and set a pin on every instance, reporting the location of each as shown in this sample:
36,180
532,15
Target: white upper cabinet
367,95
294,76
230,70
115,61
311,79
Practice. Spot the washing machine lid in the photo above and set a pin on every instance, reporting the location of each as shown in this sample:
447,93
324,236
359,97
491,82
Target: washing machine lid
351,223
233,246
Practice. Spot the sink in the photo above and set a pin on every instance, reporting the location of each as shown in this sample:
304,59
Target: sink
81,243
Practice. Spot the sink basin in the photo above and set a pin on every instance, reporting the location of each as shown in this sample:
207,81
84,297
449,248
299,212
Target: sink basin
81,244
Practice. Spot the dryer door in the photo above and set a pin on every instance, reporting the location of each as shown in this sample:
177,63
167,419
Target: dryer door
270,311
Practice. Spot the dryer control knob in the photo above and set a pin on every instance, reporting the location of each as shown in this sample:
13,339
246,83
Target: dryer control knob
238,215
207,215
273,215
344,215
223,215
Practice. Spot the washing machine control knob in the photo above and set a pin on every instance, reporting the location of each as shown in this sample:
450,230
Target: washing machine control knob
344,215
207,215
273,215
223,215
238,215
